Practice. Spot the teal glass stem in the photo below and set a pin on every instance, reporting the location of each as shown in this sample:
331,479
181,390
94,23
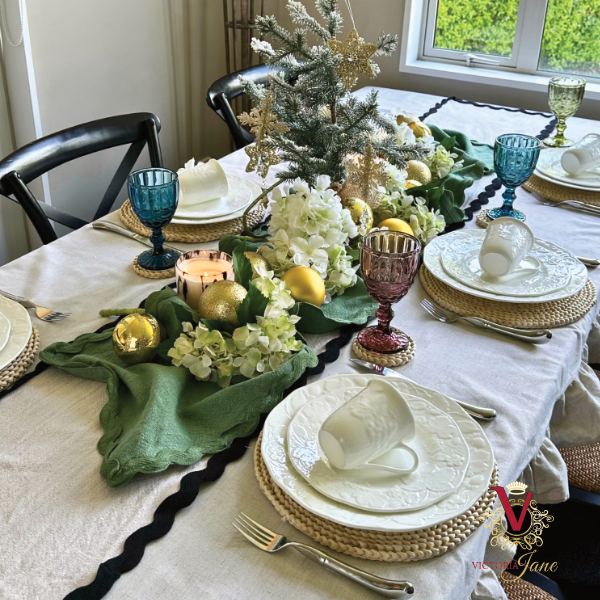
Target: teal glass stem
515,158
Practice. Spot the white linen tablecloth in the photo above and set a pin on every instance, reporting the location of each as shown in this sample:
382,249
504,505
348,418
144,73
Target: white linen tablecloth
59,520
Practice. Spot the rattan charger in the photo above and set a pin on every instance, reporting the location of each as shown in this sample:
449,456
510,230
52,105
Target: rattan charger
386,360
374,545
18,367
559,193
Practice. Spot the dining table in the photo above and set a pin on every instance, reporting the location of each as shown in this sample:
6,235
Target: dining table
59,520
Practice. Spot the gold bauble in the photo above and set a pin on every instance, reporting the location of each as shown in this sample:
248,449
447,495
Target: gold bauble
411,183
256,260
135,338
361,212
305,285
220,301
418,171
419,129
406,118
397,225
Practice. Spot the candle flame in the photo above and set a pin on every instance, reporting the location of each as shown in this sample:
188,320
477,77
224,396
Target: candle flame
205,274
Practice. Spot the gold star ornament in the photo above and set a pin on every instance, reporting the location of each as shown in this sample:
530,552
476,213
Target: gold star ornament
367,173
356,55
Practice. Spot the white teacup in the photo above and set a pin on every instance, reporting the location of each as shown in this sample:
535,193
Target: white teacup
375,421
507,242
585,155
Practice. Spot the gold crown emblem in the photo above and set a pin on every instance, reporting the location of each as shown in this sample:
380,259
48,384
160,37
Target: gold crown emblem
516,487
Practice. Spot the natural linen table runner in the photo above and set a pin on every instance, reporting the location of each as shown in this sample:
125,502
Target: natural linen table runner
158,414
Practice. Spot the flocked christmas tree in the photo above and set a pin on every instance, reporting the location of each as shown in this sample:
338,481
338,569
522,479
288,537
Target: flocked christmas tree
307,116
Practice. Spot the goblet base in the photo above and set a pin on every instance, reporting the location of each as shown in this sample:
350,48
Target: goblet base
158,262
496,213
375,340
552,142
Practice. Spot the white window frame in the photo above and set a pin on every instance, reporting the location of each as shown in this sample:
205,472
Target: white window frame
419,56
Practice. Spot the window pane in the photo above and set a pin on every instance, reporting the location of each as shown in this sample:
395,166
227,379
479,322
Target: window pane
482,26
571,42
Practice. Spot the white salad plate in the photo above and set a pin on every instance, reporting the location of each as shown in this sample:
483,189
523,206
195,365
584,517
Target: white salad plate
20,330
546,269
432,260
475,483
570,184
241,194
442,451
4,330
549,165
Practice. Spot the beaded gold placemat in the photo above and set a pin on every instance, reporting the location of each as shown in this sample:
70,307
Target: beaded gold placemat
386,360
165,274
558,193
533,315
193,233
374,545
17,368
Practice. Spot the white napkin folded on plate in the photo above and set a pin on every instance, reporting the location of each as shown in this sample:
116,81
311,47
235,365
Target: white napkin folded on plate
202,182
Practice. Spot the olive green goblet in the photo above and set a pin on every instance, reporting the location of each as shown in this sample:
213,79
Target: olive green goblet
564,98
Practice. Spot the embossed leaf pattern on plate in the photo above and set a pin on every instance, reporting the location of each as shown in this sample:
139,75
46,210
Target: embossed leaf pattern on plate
20,330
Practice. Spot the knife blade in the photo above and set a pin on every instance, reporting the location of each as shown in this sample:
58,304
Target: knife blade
477,412
142,239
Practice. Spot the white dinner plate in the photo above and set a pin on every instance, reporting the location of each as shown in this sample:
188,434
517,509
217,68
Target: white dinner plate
563,184
20,330
546,269
238,198
4,330
476,482
549,165
442,451
432,260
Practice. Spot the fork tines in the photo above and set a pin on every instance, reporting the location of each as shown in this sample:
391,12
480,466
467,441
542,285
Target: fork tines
255,533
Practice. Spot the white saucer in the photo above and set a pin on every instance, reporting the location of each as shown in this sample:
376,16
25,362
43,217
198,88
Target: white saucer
239,197
550,168
546,269
20,330
432,260
442,451
273,448
4,330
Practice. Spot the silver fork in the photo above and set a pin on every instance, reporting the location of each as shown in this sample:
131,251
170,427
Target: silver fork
574,203
532,336
269,541
45,314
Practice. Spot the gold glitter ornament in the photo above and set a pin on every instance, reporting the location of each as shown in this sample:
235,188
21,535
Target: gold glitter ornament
305,285
418,171
367,173
362,214
220,301
257,260
355,61
135,338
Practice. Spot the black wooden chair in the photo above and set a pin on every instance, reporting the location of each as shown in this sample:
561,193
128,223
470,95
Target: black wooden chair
43,155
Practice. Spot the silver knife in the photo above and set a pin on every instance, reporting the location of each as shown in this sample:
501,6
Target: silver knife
477,412
591,208
142,239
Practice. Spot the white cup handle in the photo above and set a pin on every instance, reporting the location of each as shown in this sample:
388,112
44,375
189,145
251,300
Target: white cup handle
396,469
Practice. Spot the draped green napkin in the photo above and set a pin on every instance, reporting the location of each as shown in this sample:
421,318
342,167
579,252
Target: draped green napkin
448,194
158,414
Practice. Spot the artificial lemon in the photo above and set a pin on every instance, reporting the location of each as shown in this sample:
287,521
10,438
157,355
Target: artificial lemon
419,129
220,301
256,260
406,117
361,212
411,183
305,285
397,225
419,171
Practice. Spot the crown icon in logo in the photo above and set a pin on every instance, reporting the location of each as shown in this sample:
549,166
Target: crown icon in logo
516,487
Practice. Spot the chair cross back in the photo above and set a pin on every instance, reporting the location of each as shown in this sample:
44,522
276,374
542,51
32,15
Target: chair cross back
29,162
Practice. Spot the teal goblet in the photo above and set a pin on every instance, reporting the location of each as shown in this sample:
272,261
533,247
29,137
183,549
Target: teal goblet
515,158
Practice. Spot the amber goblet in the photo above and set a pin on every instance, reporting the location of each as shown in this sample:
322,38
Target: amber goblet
389,261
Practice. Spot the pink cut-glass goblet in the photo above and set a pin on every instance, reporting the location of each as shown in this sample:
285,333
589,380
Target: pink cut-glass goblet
389,262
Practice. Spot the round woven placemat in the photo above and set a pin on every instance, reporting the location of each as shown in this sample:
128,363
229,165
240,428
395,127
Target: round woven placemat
166,274
559,193
583,466
519,589
533,315
483,220
193,233
374,545
17,368
386,360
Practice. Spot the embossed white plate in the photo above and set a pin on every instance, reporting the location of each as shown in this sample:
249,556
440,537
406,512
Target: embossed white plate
550,167
4,330
292,483
240,196
546,269
432,260
20,330
442,451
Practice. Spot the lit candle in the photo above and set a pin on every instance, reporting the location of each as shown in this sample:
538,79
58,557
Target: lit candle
197,269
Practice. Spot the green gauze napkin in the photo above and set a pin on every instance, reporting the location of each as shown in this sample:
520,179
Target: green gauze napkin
448,194
158,414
